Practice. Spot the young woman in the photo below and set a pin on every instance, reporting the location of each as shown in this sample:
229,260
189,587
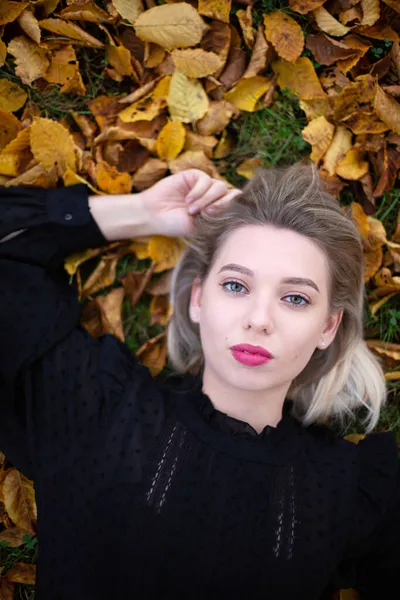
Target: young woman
225,480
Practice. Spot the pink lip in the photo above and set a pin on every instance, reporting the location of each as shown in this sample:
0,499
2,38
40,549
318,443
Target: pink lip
250,355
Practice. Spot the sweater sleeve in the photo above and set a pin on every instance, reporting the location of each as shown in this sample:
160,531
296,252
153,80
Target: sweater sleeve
376,524
50,384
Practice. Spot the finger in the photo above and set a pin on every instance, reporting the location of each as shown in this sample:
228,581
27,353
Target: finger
200,188
222,202
216,191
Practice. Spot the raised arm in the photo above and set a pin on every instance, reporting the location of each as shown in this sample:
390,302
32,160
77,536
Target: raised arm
47,359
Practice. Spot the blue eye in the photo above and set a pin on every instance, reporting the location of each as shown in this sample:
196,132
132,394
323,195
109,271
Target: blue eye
305,301
223,285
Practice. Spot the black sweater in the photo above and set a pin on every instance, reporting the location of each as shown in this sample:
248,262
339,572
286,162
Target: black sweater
144,489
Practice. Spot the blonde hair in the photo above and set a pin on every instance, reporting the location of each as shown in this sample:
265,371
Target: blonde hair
336,381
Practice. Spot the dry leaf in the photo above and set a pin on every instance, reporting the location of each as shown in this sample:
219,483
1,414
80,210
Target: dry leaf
299,77
327,50
19,500
245,19
10,11
160,310
196,62
388,109
153,354
215,9
206,143
135,283
102,276
111,312
52,145
129,9
193,159
171,140
152,171
30,25
171,26
352,166
86,11
319,133
120,58
340,145
31,61
22,573
385,348
63,66
187,100
13,536
12,97
259,56
305,6
249,167
327,23
217,118
247,92
110,180
285,34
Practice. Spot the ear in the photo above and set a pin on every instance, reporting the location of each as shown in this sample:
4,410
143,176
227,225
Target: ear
330,329
195,300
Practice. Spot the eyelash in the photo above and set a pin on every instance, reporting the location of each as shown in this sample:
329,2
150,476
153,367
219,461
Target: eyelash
289,296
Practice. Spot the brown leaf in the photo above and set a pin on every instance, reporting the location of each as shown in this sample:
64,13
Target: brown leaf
102,276
393,4
259,56
327,23
19,500
128,9
135,283
217,117
379,31
357,44
245,19
111,312
285,34
194,141
371,11
195,62
327,50
63,65
9,11
110,180
31,61
218,40
391,165
341,143
6,589
30,25
153,354
22,573
160,310
193,159
249,167
9,125
385,348
235,67
152,171
160,285
87,11
14,537
70,30
388,109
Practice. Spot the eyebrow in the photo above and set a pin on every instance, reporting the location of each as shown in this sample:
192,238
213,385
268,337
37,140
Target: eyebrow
250,273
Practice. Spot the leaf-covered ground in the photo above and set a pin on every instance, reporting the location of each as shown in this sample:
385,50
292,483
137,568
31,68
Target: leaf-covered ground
118,94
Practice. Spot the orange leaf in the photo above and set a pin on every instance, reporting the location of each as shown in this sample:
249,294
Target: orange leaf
153,353
19,500
305,6
285,34
215,9
300,77
110,180
22,573
9,11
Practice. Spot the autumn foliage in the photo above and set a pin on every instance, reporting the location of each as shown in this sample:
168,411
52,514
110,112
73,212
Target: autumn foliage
192,68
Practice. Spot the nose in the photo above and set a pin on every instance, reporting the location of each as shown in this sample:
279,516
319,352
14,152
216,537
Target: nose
259,316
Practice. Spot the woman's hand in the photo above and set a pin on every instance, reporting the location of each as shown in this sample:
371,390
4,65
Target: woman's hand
173,201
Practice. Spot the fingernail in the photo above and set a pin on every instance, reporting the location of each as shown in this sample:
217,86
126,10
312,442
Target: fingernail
192,208
189,199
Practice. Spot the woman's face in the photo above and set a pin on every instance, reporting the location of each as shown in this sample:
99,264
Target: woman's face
251,296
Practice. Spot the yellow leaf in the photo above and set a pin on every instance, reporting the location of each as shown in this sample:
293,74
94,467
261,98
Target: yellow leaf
249,167
9,126
387,108
385,348
171,139
372,262
354,437
165,252
371,11
160,310
120,58
375,306
319,133
195,141
73,261
102,276
300,77
215,9
246,23
196,62
247,92
111,312
285,34
19,500
194,159
70,30
31,61
187,100
394,375
128,9
12,97
85,11
351,166
145,109
112,181
360,219
63,66
3,53
176,25
341,143
329,24
217,117
52,145
9,11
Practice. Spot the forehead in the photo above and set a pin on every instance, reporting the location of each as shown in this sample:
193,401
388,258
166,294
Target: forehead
270,251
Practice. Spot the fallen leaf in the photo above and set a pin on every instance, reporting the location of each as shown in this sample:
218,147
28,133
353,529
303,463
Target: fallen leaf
247,92
152,171
196,62
110,180
388,109
160,285
215,9
386,348
285,34
52,145
160,310
187,100
31,61
13,536
352,166
327,23
205,143
371,11
63,66
341,143
218,116
135,283
259,56
305,6
245,19
388,176
319,133
70,30
10,11
22,573
87,11
249,167
19,500
299,77
128,9
171,140
171,25
120,58
327,50
153,354
30,25
193,159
